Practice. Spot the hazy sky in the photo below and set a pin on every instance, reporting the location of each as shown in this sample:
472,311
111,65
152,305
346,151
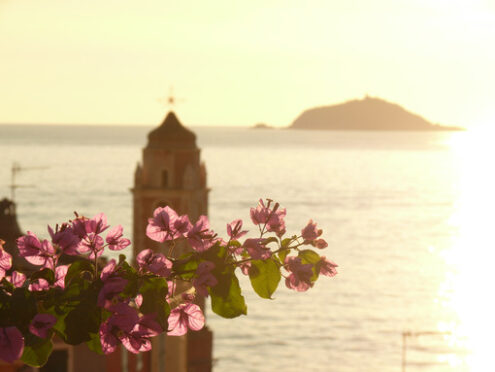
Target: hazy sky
243,62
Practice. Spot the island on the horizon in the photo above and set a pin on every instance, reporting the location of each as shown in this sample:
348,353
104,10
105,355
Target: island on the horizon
369,113
262,126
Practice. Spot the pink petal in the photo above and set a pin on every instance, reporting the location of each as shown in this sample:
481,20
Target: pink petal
5,262
18,279
196,319
176,324
11,344
60,273
42,324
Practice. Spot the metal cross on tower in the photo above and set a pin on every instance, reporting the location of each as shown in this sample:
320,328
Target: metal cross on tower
171,100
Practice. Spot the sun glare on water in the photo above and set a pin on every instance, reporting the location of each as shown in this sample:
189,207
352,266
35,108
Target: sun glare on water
469,287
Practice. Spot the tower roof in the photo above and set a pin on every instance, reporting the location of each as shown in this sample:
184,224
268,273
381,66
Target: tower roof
171,134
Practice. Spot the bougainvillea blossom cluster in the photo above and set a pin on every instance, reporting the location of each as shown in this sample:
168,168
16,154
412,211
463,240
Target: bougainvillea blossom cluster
110,303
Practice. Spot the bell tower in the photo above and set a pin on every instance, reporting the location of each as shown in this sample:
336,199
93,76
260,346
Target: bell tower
171,173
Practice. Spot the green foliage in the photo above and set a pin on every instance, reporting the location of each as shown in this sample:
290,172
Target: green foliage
79,270
285,247
94,343
265,276
154,291
226,298
84,318
36,354
311,257
46,274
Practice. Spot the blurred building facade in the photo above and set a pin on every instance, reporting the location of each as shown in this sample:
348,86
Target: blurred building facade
171,174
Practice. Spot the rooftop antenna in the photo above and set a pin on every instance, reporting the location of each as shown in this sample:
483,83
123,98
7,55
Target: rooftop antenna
171,100
16,168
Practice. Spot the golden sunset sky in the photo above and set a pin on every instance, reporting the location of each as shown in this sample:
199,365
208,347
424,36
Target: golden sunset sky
243,62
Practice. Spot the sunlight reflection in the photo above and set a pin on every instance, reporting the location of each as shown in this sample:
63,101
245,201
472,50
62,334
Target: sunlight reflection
468,288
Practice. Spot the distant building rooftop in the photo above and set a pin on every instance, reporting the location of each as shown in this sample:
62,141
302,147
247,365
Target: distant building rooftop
171,134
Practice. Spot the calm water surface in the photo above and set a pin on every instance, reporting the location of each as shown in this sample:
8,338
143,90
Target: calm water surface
408,217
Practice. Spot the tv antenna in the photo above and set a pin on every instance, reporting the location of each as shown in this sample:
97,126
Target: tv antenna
16,168
171,100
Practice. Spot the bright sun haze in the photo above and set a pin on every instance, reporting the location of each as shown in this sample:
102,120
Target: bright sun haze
240,63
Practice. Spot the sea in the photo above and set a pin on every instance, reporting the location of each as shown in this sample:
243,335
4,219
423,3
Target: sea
408,217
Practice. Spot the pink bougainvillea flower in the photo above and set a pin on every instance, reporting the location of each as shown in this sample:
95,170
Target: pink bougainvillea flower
39,285
5,261
65,238
127,327
115,240
108,270
97,224
91,243
161,227
83,226
273,219
88,231
183,317
300,274
42,324
260,214
156,263
36,252
320,243
256,249
79,226
204,278
232,245
111,289
108,339
137,341
245,266
200,237
122,321
17,279
182,225
310,232
11,344
327,267
138,300
276,221
60,273
234,230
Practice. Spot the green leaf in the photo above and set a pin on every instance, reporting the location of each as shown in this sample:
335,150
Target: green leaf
264,276
310,257
76,270
226,298
94,343
84,318
46,274
122,258
235,243
154,291
282,254
269,240
285,243
7,286
215,254
37,354
186,269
